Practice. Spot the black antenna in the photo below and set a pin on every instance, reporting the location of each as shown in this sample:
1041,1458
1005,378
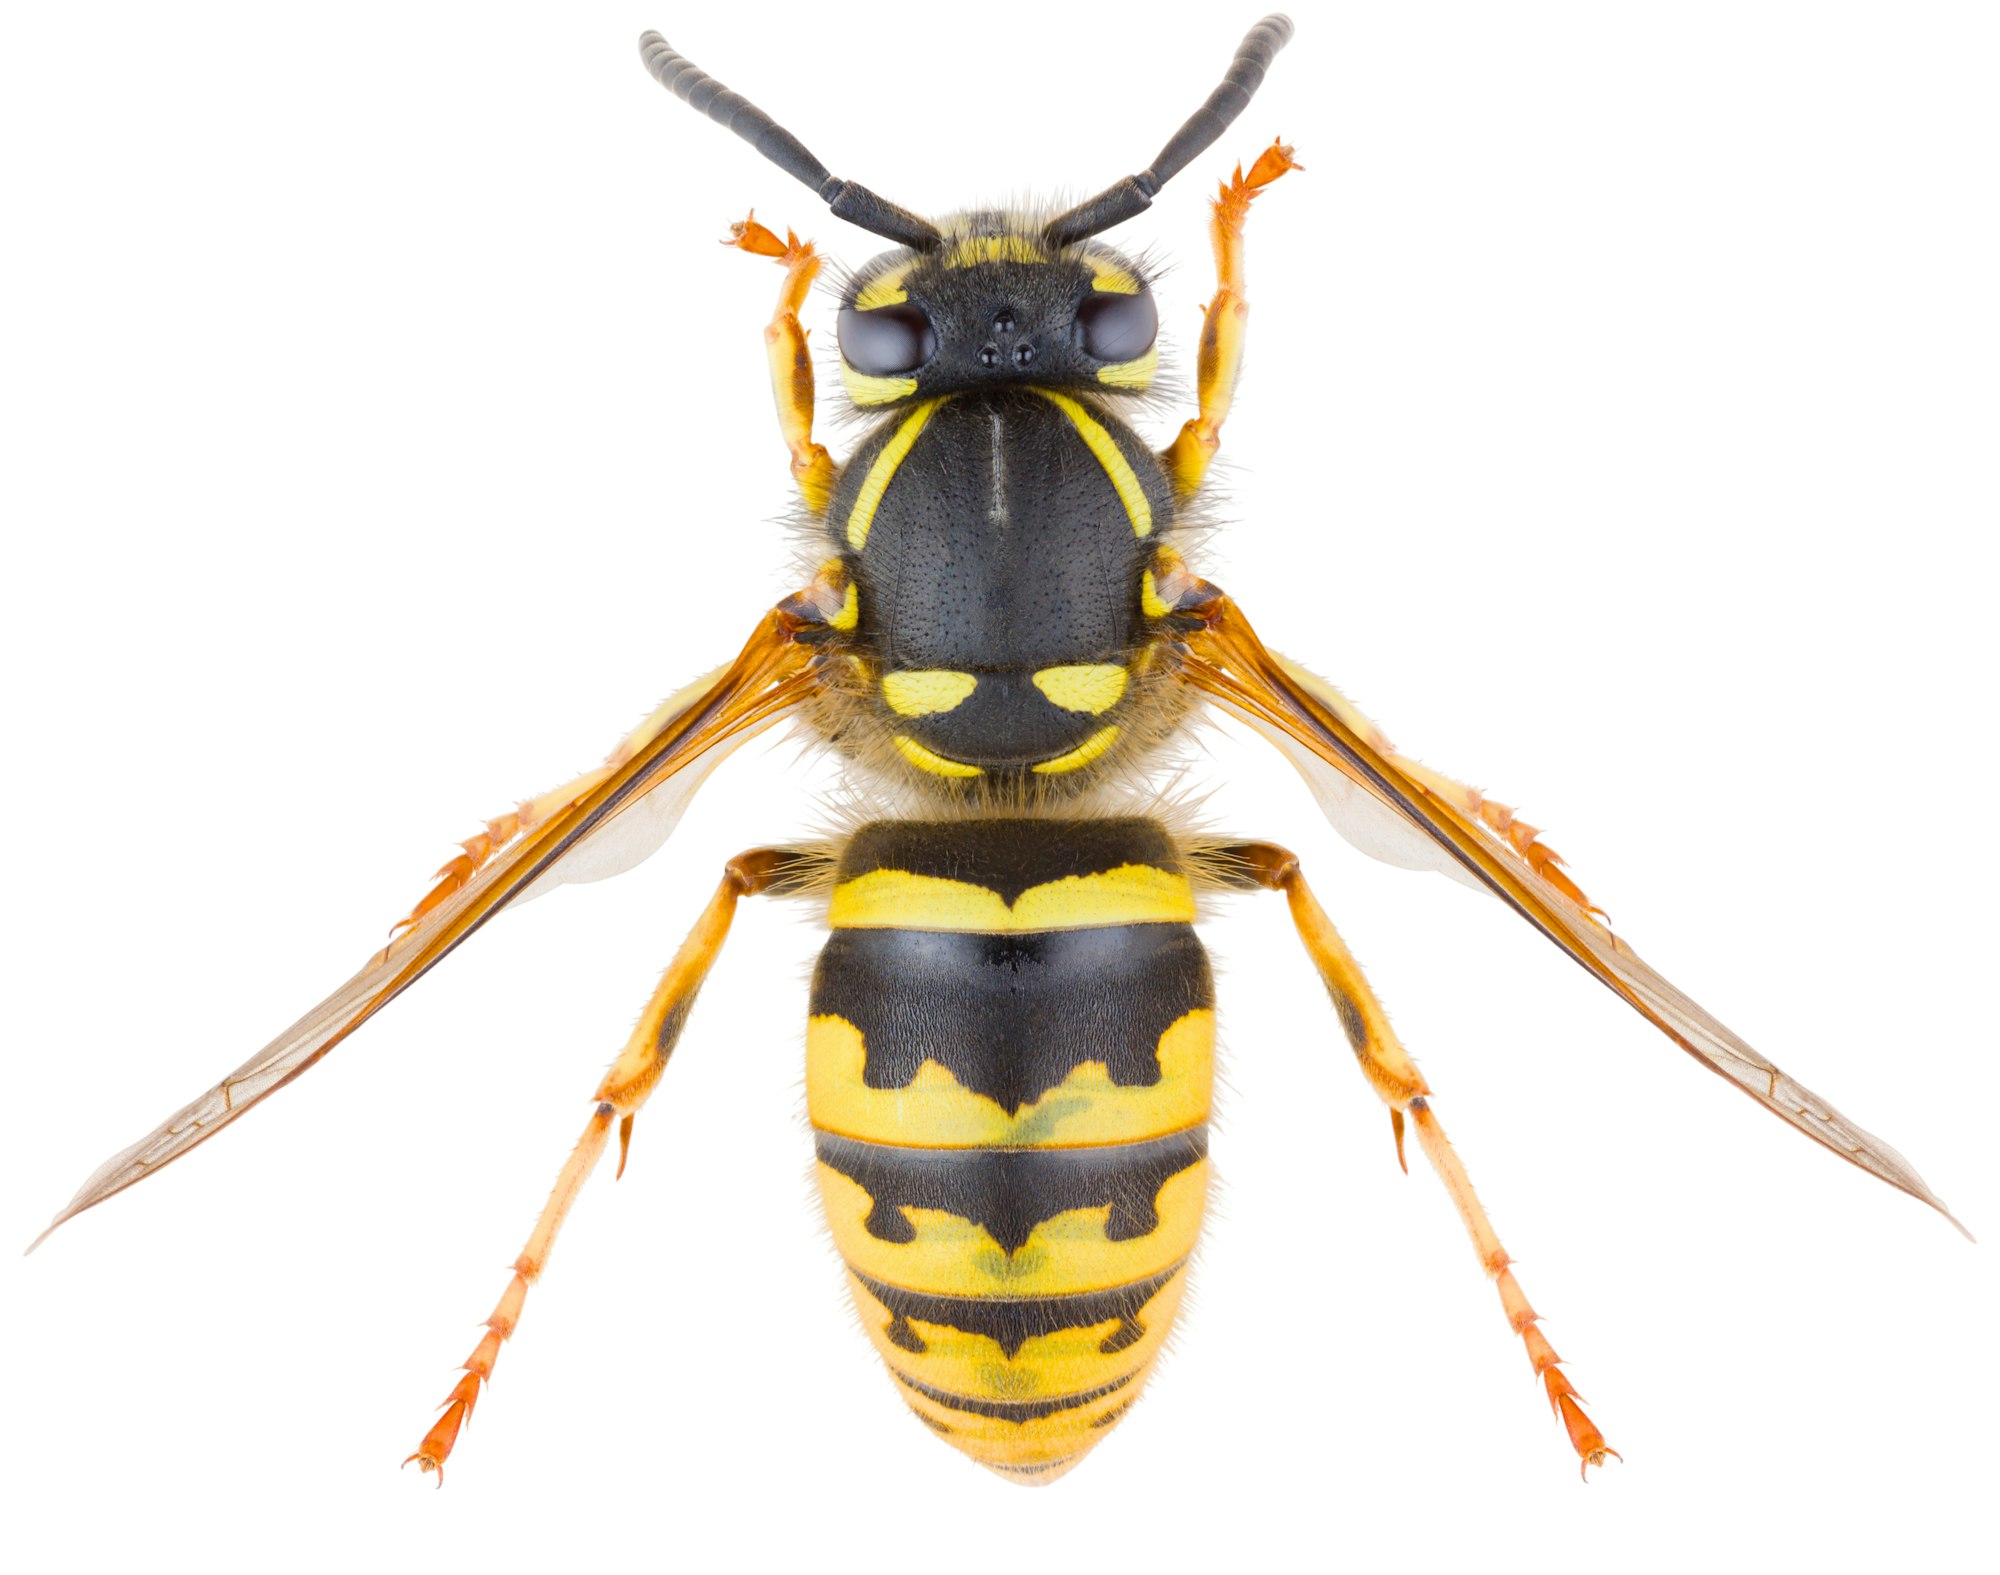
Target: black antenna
1134,194
849,199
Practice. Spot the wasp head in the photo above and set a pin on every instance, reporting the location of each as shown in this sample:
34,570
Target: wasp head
996,304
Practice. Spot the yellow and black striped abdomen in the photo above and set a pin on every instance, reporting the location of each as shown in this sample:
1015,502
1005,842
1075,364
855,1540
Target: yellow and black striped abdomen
1009,1069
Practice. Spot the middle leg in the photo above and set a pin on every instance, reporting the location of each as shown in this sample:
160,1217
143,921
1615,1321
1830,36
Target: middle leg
1394,1076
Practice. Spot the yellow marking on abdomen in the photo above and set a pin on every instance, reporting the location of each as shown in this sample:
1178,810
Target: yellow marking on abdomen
929,760
1068,1252
883,471
892,899
1082,755
1104,448
1091,687
925,692
1015,1449
1066,1362
935,1110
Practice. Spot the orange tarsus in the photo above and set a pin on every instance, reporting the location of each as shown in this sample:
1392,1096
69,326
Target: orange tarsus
454,874
750,236
1270,164
1522,1318
1224,316
442,1438
1564,1402
785,347
1525,839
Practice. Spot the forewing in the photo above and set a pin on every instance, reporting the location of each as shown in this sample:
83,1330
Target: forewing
597,826
1396,809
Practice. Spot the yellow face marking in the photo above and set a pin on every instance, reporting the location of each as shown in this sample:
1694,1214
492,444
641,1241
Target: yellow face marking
1092,688
883,471
975,249
1068,1252
1082,755
922,693
934,1110
1149,596
900,900
865,390
925,760
1132,374
1112,278
886,290
1104,449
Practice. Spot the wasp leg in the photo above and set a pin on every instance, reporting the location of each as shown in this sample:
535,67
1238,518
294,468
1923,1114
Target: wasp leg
625,1088
791,367
1221,357
1394,1076
502,830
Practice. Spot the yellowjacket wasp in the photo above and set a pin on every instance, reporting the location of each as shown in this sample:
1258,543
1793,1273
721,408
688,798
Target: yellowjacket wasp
831,608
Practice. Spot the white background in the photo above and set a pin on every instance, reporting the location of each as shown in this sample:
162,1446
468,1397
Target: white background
385,432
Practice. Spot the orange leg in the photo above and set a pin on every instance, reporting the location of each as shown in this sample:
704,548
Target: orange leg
502,830
1222,328
625,1088
1394,1076
791,367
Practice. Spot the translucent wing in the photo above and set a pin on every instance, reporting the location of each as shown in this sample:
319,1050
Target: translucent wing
596,826
1391,807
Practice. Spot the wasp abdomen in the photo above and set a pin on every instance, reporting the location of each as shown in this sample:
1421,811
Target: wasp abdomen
1009,1069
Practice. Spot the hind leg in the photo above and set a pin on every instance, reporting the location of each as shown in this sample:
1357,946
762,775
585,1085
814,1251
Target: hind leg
1394,1076
625,1088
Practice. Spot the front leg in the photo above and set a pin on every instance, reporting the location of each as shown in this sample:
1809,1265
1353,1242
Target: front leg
791,367
1394,1076
1221,354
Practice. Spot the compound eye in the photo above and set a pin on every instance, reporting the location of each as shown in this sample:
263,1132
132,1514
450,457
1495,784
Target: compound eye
1115,327
887,341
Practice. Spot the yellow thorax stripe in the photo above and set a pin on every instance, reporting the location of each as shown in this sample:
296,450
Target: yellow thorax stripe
849,615
893,899
1090,687
920,692
930,760
1082,755
883,471
1104,448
